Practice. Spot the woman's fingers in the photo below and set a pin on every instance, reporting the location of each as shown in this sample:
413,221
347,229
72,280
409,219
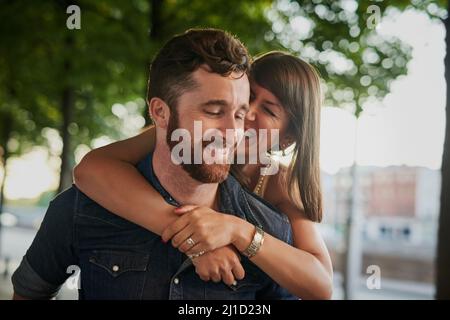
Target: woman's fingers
190,249
185,246
184,239
174,228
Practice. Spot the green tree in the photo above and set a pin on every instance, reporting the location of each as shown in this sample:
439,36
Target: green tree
74,75
357,64
87,70
24,106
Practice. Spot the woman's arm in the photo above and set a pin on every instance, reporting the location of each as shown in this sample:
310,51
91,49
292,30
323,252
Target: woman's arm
305,270
109,177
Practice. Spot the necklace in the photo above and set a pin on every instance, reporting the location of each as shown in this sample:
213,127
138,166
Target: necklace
259,185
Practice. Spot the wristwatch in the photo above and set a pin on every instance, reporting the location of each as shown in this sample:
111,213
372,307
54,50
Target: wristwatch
256,243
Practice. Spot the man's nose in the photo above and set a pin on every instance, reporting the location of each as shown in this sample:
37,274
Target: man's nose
232,123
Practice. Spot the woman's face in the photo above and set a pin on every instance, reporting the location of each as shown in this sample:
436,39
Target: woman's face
266,112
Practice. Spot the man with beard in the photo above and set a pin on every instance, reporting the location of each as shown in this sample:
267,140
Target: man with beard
200,75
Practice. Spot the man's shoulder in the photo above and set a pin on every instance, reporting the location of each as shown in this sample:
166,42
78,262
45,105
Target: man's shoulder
65,201
70,202
75,199
88,210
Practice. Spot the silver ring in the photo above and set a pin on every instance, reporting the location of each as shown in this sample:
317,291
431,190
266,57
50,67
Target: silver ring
190,242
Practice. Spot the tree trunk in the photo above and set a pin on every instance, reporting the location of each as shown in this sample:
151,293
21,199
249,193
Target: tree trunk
156,21
65,180
443,247
67,111
5,135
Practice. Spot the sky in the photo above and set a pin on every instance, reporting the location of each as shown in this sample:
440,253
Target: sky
406,128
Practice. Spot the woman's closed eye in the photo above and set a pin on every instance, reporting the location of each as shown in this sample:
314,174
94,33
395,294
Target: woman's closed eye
269,111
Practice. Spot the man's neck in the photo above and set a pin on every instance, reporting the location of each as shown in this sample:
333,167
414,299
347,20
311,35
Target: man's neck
179,184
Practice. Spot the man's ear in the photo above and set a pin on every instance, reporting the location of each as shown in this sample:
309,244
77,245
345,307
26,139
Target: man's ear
159,112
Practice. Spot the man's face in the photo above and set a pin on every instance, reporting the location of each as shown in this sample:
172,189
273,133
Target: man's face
219,103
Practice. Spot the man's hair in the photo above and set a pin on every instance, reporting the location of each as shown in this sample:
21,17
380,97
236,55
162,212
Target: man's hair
171,69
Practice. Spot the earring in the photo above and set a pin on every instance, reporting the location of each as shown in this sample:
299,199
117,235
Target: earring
284,146
283,149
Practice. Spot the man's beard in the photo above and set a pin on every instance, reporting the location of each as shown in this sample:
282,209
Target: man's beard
205,173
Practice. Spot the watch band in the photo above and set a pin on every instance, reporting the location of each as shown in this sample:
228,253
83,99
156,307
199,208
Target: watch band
255,245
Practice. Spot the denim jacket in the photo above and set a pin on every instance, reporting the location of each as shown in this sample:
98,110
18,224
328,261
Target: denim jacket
121,260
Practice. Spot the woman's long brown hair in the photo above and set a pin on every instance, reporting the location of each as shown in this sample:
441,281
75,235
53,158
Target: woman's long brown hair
296,84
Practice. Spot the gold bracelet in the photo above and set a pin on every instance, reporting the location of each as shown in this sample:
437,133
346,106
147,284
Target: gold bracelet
255,245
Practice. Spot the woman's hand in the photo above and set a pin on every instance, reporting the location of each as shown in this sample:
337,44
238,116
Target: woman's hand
200,230
222,264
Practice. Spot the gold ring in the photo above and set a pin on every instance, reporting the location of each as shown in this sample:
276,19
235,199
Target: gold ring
190,242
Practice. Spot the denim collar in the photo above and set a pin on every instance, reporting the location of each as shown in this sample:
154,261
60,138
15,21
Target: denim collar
146,168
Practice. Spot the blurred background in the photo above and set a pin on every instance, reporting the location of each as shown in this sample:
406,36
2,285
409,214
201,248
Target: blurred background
73,77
